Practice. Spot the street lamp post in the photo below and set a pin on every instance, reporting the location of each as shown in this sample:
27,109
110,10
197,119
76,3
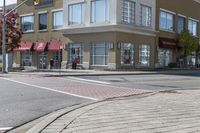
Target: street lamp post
4,68
4,38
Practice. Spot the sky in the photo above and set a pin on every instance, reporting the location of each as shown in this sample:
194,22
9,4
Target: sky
7,2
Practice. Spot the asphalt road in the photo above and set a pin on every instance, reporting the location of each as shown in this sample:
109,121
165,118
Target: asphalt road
152,82
20,103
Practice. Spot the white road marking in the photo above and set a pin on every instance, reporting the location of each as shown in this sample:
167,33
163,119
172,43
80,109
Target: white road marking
45,88
5,128
89,80
104,85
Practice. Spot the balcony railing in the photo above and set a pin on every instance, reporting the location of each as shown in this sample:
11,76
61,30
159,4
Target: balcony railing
44,3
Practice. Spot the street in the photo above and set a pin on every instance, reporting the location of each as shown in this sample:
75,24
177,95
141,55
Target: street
21,103
25,97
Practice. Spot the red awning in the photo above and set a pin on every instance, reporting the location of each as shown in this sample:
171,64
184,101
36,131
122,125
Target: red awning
24,46
54,45
167,43
40,46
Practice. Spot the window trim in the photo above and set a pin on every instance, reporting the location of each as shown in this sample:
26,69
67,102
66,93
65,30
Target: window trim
173,17
122,15
197,29
52,21
106,56
143,5
82,13
42,30
107,12
26,15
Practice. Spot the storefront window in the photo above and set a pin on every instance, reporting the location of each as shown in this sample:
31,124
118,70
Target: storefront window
75,52
99,53
165,57
43,60
144,55
26,58
127,53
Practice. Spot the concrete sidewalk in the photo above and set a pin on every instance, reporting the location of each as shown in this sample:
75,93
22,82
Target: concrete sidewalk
172,111
79,72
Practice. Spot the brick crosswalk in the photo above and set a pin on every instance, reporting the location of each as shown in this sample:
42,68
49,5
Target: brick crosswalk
86,89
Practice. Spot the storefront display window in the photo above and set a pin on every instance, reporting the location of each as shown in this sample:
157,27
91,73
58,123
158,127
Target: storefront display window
127,53
99,53
144,55
26,58
75,53
164,57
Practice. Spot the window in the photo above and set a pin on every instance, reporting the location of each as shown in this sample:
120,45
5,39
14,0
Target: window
43,21
27,23
192,27
100,11
166,21
57,19
128,11
99,53
76,14
144,55
145,16
127,53
26,58
181,24
75,52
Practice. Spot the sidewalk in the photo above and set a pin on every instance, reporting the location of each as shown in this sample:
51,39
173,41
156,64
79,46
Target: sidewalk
174,112
79,72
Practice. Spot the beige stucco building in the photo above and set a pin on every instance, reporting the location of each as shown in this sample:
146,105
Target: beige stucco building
102,34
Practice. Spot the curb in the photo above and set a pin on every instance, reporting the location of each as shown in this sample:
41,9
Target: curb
55,115
39,127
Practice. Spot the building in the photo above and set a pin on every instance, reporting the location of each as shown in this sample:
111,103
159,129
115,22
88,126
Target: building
42,39
104,34
173,17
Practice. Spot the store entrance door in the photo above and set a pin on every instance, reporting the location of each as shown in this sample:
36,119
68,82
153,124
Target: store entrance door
43,60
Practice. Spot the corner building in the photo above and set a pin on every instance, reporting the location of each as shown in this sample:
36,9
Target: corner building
110,34
104,34
42,34
172,18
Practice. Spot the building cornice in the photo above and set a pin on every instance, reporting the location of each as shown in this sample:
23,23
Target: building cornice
110,28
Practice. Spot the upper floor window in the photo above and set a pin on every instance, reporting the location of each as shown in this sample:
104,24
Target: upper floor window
166,21
146,15
43,21
76,14
128,11
100,11
181,24
57,19
27,23
192,27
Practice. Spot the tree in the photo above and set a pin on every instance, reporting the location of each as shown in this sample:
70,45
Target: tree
188,44
13,33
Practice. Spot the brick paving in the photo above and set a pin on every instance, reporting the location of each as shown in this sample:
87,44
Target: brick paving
159,113
96,91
